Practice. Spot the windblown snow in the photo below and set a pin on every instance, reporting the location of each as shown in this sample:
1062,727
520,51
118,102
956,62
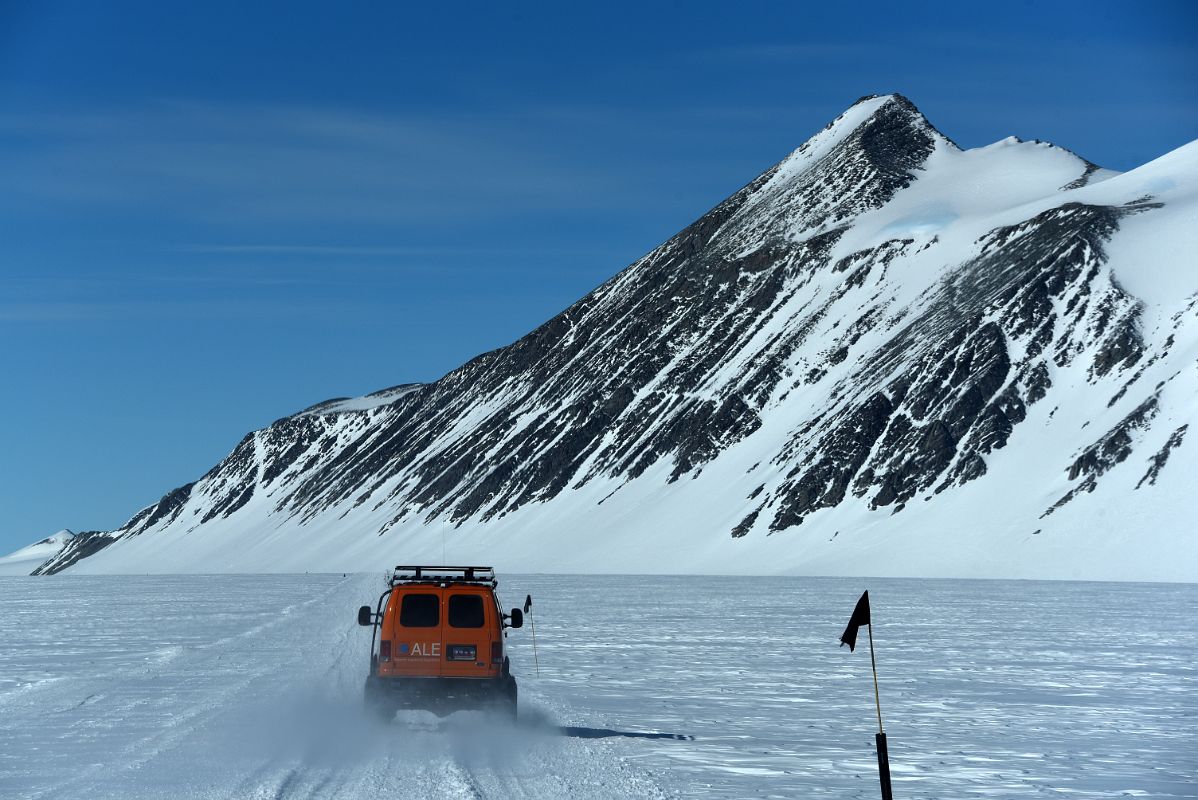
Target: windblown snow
886,355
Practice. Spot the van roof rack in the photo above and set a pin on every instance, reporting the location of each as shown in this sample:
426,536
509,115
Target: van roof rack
440,574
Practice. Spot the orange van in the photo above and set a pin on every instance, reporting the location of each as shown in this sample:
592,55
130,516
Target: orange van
438,642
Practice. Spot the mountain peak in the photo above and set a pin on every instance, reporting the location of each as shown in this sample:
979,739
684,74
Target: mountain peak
892,109
893,97
857,162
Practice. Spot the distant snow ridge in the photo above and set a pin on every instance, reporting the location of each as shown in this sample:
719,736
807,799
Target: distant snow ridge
31,557
885,355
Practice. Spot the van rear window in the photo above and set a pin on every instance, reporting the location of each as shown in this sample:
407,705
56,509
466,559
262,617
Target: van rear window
420,611
466,611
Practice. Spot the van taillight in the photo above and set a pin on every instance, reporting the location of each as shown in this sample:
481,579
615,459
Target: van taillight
496,652
385,650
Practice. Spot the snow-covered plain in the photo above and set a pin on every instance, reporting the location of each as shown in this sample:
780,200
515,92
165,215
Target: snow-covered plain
249,687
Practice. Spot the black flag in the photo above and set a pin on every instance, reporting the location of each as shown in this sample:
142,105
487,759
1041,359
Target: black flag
527,603
860,617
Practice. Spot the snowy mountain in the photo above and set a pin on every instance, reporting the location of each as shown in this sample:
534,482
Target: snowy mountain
885,355
30,557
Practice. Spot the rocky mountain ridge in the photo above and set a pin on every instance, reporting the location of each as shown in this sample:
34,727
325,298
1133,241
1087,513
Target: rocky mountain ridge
863,329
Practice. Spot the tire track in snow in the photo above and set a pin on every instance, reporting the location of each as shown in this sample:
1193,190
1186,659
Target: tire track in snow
469,755
232,686
134,696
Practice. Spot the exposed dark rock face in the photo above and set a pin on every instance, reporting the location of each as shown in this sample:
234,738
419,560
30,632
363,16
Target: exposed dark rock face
1111,449
765,302
81,546
1161,457
951,391
164,511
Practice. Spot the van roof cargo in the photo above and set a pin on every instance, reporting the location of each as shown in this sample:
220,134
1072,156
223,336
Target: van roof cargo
443,574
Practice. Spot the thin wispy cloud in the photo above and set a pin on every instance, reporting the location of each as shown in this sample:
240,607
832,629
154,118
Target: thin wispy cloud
320,249
784,52
176,309
368,251
309,164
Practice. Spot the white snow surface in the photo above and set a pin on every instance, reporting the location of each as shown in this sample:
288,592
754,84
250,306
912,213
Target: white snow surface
962,194
244,686
363,403
30,557
1154,253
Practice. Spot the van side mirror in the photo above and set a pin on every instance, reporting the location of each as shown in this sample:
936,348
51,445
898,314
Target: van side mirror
365,617
517,619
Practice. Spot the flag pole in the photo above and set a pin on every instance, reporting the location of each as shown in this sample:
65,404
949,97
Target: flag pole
532,619
874,663
535,658
880,738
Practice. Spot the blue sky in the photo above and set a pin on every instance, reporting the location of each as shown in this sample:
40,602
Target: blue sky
213,216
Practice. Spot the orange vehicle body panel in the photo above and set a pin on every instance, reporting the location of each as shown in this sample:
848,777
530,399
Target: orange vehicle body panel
441,632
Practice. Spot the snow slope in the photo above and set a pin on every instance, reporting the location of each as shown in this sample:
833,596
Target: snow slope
885,355
250,687
29,558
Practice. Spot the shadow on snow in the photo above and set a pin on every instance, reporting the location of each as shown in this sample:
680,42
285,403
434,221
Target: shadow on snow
604,733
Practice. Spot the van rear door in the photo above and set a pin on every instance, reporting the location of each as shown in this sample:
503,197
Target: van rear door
416,649
468,632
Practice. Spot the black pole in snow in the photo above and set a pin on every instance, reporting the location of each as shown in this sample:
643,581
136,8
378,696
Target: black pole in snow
880,738
883,766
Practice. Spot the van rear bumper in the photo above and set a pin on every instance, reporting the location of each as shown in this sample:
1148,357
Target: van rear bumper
439,695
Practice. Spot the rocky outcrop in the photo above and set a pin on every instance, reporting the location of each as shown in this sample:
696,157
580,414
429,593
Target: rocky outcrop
84,544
